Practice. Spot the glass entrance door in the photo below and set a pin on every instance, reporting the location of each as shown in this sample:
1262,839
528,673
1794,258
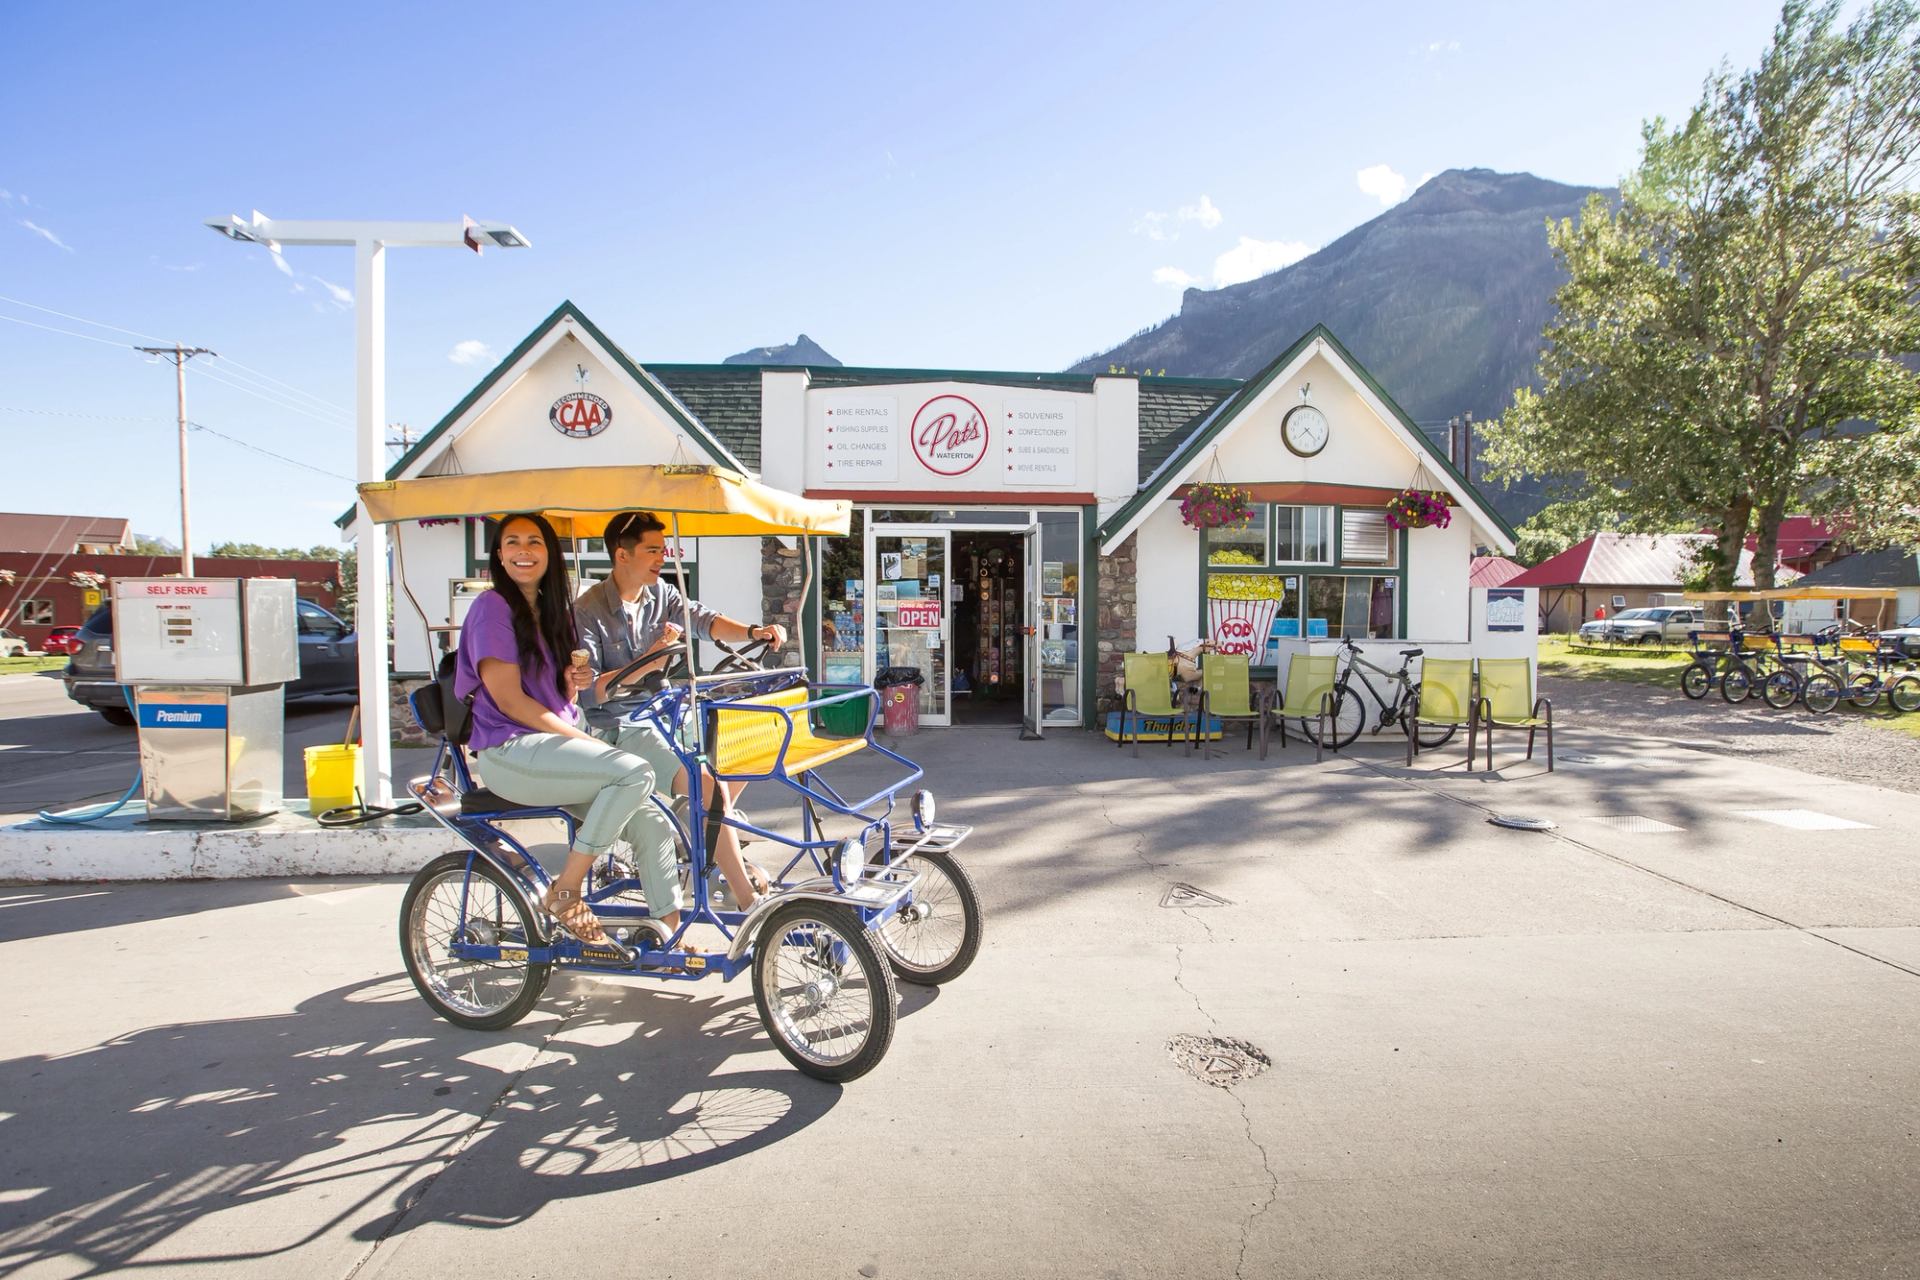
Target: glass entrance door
1031,715
907,584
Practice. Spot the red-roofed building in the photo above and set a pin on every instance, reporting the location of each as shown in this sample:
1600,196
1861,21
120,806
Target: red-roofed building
1493,571
1805,544
1615,571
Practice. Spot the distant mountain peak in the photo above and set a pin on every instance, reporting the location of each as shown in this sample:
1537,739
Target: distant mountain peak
802,350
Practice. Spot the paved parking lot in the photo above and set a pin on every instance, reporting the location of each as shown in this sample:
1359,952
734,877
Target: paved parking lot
1675,1037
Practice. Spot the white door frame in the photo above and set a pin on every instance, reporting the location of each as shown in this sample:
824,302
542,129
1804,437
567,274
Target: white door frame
871,635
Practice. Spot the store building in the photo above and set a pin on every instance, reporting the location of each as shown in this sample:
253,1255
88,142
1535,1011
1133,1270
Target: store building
1014,533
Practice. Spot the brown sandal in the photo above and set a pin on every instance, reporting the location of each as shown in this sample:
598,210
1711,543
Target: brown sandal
573,916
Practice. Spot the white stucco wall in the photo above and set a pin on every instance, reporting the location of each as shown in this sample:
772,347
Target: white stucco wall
1116,406
783,428
1909,603
433,558
1167,586
1437,566
1360,448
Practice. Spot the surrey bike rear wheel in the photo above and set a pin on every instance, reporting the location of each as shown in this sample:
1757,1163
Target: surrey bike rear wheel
1696,681
1737,684
481,995
1781,689
935,937
825,994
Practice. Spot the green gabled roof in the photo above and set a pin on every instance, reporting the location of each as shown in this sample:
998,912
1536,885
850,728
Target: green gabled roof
1206,427
660,394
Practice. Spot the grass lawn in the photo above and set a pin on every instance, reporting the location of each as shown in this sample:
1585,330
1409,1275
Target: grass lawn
1628,666
19,666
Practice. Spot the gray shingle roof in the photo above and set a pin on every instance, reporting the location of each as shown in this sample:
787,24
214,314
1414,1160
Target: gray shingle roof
1892,567
1169,412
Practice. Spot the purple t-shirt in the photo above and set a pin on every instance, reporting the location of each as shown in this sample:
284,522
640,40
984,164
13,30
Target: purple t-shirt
488,633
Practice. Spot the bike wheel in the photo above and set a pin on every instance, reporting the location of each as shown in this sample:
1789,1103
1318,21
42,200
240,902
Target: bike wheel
1863,690
823,991
480,995
1349,717
1904,694
1737,684
1781,689
1821,692
1696,681
935,938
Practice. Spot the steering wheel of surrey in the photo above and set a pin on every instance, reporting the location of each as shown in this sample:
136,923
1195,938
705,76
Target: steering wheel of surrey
620,677
745,658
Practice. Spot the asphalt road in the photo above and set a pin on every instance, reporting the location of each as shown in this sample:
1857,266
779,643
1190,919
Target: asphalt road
55,753
1675,1038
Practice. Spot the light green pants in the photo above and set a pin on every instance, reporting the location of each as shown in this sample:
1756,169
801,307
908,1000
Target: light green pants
609,788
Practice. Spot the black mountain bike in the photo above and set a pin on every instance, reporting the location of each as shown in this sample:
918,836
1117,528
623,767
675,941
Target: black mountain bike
1350,712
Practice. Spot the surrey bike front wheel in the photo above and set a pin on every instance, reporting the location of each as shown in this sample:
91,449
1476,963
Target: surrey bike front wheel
824,992
461,898
935,937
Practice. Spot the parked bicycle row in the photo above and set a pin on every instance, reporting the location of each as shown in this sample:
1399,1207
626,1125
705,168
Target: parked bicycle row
1817,671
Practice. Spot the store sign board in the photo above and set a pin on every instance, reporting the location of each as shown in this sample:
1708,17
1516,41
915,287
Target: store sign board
949,435
1040,442
1506,609
862,438
579,415
919,615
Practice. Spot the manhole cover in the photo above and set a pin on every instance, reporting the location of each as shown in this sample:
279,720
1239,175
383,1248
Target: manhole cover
1522,824
1217,1060
1185,895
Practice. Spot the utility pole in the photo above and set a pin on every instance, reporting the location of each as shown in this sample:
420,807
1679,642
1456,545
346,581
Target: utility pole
404,441
180,355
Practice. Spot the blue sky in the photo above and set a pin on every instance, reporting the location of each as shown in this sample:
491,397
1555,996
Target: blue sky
996,187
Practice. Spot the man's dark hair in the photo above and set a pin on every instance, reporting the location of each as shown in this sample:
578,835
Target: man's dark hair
627,528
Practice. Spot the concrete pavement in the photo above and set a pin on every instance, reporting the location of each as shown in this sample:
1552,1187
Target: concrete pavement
1604,1051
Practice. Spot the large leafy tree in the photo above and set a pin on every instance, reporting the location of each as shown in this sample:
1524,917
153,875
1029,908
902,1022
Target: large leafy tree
1729,344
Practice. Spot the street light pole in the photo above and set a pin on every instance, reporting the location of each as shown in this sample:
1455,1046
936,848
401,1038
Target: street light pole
180,355
370,241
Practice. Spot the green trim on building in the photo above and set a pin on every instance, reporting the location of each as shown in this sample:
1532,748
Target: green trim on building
1089,625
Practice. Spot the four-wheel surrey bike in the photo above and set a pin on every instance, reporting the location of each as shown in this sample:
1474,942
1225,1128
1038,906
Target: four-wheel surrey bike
1389,711
865,895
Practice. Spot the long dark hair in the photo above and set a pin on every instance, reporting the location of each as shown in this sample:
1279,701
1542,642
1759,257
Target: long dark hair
553,623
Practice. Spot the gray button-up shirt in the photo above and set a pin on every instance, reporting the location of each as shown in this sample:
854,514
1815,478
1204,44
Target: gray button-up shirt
613,641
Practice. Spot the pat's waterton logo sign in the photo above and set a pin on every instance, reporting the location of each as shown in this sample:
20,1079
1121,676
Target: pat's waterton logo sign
949,435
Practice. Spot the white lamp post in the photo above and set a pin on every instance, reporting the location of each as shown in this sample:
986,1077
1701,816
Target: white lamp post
370,241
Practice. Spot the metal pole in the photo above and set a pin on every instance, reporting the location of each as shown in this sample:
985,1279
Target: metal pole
370,609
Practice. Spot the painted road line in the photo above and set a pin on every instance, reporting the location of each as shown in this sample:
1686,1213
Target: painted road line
1802,820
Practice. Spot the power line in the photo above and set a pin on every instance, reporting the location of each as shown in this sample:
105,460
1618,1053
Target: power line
229,360
279,457
34,324
275,401
98,324
68,413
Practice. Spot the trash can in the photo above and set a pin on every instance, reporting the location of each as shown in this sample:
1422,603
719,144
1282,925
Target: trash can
900,699
844,719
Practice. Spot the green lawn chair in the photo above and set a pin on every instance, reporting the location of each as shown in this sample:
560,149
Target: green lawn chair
1506,700
1445,698
1149,692
1309,695
1226,693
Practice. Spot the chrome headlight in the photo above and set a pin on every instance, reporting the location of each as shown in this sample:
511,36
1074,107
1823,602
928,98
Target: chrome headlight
850,861
923,811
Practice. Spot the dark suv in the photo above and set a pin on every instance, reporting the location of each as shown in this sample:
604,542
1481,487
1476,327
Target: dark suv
329,662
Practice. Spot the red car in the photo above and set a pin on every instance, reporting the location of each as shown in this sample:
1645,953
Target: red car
62,640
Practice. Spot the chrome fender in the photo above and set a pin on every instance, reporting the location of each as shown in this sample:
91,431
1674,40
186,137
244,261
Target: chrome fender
885,887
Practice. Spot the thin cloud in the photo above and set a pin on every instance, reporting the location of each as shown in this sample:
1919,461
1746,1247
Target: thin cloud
1252,258
1168,225
280,263
1437,47
472,351
1176,277
45,234
344,297
1382,183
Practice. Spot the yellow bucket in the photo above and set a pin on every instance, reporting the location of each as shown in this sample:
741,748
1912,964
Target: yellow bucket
331,773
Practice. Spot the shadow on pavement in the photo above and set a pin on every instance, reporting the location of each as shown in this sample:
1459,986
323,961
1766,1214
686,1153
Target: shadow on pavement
342,1114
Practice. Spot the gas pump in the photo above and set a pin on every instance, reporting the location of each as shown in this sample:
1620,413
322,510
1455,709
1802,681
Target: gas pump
208,660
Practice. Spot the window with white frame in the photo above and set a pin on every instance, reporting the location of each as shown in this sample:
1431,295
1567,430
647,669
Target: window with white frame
1365,538
1302,535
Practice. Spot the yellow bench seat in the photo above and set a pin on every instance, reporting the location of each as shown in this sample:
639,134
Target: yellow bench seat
748,742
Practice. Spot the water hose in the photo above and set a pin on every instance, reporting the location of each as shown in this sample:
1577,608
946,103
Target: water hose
79,818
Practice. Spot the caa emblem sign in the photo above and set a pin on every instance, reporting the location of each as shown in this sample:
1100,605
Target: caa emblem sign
949,435
579,415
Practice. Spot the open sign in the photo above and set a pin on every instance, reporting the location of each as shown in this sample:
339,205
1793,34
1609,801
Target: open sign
918,615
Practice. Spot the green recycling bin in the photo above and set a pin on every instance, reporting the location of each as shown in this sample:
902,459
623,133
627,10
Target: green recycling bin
843,719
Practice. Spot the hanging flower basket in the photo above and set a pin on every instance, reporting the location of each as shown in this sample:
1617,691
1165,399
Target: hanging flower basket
6,577
434,522
1419,509
1216,506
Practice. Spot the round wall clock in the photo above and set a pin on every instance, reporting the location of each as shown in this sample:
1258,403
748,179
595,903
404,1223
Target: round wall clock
1304,430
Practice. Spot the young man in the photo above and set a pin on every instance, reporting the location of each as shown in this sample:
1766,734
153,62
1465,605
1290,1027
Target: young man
633,613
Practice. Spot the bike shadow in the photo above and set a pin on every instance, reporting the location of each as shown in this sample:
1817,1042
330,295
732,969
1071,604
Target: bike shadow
360,1115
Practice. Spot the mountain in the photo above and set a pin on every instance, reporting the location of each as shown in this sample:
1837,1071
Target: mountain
802,350
1443,298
